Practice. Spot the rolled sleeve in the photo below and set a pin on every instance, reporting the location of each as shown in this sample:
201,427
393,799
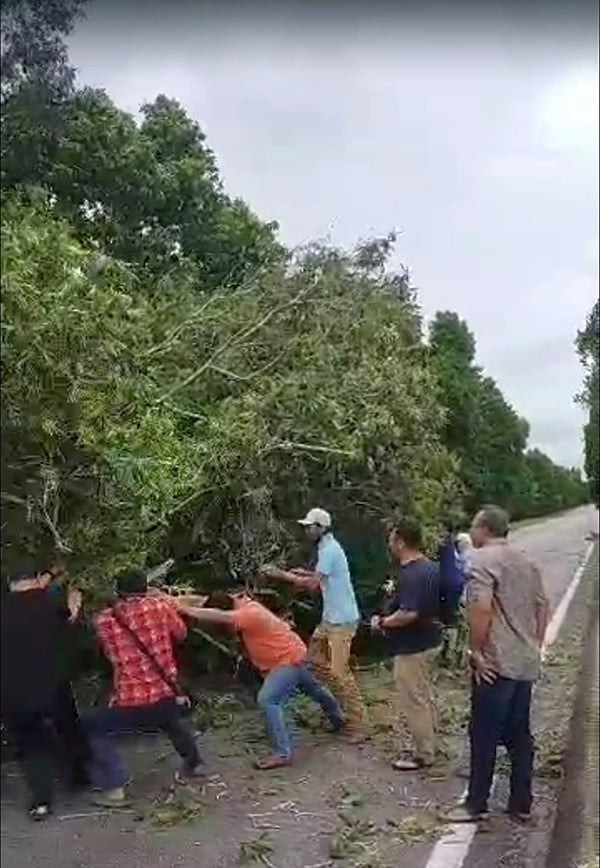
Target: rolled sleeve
247,617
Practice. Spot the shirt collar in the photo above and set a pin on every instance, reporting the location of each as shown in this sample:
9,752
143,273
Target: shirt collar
324,539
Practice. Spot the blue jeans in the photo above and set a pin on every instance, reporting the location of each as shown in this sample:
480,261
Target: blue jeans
500,715
103,725
277,688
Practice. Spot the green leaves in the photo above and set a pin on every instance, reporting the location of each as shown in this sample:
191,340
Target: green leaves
174,378
489,437
226,412
587,344
148,194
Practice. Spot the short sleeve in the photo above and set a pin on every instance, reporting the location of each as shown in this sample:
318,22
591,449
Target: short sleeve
481,582
408,596
326,562
246,618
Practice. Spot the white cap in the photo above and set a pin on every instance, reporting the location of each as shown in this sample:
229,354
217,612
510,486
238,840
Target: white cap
316,516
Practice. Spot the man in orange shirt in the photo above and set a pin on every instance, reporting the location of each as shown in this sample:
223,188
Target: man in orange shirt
280,656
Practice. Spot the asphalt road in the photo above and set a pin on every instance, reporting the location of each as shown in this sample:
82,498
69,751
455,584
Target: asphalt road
105,841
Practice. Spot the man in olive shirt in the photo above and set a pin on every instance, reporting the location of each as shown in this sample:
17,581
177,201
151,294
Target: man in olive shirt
507,610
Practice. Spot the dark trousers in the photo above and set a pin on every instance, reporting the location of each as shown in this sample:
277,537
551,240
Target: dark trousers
500,715
104,725
42,738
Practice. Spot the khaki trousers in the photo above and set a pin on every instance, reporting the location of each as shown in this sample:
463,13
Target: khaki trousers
329,654
414,699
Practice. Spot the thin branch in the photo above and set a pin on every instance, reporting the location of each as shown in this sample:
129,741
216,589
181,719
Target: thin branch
242,378
187,413
12,498
61,545
233,341
191,498
291,446
244,289
208,638
175,332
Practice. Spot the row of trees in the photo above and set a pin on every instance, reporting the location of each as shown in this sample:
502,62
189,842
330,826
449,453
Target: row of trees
176,382
588,350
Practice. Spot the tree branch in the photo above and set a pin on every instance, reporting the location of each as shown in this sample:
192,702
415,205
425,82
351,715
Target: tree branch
242,378
233,341
291,446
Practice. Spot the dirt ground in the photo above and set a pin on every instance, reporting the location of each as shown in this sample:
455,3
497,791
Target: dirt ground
339,804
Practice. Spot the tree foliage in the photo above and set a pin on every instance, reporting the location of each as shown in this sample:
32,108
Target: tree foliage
175,382
127,412
489,437
588,350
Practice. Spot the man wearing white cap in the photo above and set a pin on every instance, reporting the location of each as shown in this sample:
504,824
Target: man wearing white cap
330,644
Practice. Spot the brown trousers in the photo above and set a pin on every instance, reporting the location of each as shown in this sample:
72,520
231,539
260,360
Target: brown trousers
414,699
329,653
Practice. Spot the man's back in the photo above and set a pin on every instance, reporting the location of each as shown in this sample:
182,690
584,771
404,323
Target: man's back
34,648
156,624
269,641
518,594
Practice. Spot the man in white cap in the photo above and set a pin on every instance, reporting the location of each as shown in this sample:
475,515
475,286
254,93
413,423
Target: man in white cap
330,644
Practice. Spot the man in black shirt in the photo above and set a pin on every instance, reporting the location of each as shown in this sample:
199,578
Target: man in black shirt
37,701
411,622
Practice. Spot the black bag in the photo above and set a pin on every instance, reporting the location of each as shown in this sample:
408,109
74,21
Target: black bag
185,699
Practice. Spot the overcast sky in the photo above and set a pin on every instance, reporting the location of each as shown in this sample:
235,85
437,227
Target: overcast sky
477,139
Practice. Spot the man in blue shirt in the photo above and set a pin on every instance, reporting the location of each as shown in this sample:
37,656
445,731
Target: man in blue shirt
331,642
411,623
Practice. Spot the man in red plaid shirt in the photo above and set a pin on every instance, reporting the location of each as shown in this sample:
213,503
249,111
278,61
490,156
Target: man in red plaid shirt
145,695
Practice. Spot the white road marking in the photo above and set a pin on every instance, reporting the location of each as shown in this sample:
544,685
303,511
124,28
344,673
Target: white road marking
452,848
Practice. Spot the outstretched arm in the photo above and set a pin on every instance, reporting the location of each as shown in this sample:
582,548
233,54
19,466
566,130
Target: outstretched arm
302,580
205,616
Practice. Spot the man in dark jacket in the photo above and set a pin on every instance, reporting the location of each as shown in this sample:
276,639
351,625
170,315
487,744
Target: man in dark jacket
36,696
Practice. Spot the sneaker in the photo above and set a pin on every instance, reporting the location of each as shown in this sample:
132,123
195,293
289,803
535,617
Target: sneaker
272,762
462,814
524,817
411,765
39,813
186,774
351,734
111,798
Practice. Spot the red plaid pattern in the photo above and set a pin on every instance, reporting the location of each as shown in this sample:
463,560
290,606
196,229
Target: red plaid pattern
135,680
